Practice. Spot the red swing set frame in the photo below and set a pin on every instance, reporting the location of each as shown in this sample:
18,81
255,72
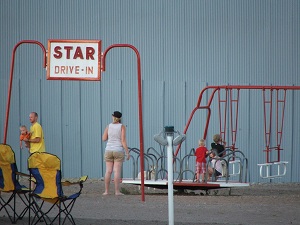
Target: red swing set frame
232,93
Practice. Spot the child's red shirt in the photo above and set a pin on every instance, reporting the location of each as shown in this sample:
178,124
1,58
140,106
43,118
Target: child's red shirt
201,154
22,136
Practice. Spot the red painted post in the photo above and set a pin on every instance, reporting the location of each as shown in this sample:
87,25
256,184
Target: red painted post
223,129
234,122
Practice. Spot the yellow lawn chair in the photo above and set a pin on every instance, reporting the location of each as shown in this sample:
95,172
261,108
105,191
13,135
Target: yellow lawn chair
46,171
9,184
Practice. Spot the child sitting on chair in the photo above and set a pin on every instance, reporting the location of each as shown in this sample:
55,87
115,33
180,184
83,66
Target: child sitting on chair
24,134
201,153
216,166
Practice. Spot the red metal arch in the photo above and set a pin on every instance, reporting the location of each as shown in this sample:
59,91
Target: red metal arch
12,66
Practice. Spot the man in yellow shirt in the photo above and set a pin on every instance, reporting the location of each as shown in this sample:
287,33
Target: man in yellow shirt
36,141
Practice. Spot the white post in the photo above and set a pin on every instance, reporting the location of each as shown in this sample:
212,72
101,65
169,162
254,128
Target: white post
169,142
170,179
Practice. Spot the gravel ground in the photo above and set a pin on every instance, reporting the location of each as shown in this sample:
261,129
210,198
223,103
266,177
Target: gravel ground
267,203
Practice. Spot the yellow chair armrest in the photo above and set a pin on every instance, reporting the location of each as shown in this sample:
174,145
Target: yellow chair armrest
68,183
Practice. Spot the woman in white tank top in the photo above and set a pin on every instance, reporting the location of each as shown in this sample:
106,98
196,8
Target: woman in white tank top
115,135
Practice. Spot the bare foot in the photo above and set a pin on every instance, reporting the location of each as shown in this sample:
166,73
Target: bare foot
119,193
105,193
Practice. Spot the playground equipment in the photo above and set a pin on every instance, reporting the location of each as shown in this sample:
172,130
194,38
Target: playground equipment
233,159
231,99
156,172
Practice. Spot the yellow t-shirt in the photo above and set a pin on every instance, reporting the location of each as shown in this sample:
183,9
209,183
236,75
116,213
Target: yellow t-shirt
36,130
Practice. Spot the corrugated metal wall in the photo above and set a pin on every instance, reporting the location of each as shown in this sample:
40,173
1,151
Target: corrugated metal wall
184,45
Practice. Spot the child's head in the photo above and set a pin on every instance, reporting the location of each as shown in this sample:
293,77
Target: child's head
212,154
217,138
23,129
201,142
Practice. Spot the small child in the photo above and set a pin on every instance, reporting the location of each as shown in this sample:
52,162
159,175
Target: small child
24,134
201,153
216,166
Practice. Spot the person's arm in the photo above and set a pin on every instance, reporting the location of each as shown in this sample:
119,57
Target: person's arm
105,134
206,153
35,140
37,131
123,141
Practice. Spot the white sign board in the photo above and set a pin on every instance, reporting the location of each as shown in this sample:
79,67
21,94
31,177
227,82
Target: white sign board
74,60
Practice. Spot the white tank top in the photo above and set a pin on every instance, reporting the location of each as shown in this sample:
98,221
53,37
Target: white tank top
114,138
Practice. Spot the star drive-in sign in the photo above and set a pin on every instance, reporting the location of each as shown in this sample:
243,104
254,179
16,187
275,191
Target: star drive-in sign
74,60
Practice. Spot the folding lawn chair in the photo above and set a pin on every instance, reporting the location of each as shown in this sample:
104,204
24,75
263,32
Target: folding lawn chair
9,184
46,171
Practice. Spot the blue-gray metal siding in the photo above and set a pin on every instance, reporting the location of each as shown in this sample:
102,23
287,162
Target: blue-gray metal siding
184,46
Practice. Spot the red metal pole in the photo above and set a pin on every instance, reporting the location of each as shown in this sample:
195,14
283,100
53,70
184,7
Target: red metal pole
279,127
139,103
234,126
220,116
270,121
268,128
267,134
223,129
194,110
11,79
207,123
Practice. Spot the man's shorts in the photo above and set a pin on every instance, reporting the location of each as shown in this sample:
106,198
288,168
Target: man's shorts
201,167
113,156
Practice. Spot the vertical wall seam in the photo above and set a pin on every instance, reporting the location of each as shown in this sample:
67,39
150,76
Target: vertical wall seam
249,128
19,92
80,127
62,124
292,134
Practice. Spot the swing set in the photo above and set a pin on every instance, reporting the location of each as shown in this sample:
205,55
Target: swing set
272,95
